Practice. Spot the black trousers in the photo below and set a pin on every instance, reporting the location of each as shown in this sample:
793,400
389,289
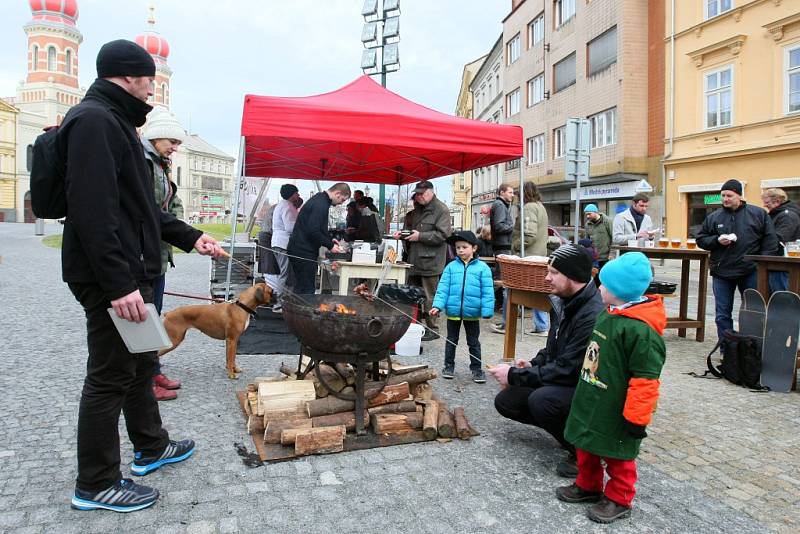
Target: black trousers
546,407
473,330
303,278
116,380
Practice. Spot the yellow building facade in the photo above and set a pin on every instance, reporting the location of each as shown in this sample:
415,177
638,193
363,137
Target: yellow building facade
461,209
732,104
8,161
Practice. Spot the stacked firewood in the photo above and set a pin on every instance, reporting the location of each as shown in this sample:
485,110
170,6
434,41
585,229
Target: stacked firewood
302,414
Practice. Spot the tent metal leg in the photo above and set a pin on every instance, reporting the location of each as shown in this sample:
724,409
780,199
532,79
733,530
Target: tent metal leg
234,218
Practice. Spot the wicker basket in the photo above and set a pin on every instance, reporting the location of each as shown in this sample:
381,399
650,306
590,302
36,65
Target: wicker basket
522,274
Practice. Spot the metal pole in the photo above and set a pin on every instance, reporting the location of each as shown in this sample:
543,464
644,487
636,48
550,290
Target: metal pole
251,219
235,212
522,236
577,192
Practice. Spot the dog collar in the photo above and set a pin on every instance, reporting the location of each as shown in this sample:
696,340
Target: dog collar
249,310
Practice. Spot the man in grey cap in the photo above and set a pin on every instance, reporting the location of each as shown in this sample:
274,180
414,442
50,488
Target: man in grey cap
111,255
430,226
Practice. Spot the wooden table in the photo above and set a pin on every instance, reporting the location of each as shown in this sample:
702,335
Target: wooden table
683,321
776,263
520,297
371,271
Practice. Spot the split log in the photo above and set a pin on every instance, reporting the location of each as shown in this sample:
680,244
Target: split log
331,405
446,423
255,424
396,423
346,372
286,396
282,416
423,393
319,440
348,419
462,426
291,372
390,394
397,407
415,377
328,405
400,369
272,434
430,420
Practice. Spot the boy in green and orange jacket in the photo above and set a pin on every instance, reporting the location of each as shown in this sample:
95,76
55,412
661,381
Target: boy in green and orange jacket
617,390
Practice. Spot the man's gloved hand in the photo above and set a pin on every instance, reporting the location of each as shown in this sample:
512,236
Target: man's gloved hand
635,431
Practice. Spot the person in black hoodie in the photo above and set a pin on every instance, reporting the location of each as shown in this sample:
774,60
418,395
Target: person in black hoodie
309,234
539,392
731,232
111,254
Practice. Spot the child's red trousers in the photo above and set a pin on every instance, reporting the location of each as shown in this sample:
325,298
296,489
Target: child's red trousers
622,477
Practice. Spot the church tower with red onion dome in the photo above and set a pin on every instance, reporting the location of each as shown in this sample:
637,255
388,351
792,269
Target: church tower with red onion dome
158,47
51,85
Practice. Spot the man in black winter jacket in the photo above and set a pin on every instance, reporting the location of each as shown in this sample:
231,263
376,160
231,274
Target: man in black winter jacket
111,254
501,221
309,234
731,232
539,392
787,227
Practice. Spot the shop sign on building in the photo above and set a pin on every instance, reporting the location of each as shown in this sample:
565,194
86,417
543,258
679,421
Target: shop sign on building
211,205
600,192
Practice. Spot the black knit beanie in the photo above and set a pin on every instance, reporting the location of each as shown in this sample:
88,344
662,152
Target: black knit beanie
573,261
732,185
287,190
124,58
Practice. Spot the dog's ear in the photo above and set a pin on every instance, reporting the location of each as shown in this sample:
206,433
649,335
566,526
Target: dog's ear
260,294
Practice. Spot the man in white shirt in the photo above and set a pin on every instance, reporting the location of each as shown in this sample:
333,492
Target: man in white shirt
633,223
283,220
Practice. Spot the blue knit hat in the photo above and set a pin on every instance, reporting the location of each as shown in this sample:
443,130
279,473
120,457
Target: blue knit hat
590,208
628,276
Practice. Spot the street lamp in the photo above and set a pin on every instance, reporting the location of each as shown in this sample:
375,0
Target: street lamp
380,37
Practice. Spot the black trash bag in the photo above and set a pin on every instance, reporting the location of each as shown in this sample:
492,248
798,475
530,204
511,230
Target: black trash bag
401,294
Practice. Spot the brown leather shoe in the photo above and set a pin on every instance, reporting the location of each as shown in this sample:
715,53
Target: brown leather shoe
573,494
163,382
606,511
164,394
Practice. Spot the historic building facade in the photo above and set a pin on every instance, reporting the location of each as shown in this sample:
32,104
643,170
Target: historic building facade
735,106
8,161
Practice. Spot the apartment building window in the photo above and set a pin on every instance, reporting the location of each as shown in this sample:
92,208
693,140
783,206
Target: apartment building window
717,7
536,30
564,11
719,97
535,90
604,128
793,79
559,142
602,52
536,149
512,102
512,50
564,73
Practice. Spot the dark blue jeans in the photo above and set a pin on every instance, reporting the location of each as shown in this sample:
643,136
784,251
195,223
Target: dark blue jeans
473,330
778,281
723,296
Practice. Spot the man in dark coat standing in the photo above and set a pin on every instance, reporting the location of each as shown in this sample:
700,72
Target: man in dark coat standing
111,255
309,234
501,221
731,232
430,226
539,392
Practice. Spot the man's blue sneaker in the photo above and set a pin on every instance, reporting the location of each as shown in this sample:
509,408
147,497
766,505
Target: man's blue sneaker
124,496
176,451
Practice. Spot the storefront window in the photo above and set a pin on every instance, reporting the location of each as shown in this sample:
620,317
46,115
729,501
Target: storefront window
700,206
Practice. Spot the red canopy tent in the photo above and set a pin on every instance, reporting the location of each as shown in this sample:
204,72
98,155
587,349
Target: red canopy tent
366,133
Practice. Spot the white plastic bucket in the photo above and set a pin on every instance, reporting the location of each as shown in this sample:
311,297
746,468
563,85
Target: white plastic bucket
409,344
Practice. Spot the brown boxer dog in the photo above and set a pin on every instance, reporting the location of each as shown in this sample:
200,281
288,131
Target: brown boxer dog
226,320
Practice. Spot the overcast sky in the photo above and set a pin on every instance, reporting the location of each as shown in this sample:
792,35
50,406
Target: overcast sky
221,50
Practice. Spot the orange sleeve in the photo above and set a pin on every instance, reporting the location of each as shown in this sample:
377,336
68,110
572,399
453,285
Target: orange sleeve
641,400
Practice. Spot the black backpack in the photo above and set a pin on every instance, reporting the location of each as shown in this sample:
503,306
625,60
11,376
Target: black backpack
741,360
48,198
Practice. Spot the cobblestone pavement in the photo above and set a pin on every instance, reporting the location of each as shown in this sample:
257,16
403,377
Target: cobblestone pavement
718,459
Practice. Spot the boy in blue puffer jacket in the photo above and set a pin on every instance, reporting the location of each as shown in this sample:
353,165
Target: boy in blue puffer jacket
465,293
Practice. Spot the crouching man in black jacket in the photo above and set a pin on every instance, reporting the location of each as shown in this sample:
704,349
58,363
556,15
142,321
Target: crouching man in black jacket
732,232
539,392
110,257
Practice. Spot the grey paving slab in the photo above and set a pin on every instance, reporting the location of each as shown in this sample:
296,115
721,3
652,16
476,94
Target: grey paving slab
719,459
